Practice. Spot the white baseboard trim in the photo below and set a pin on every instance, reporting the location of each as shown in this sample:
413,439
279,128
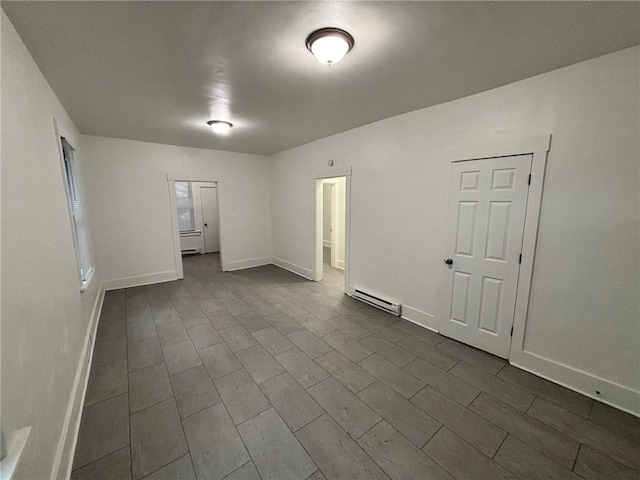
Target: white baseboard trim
63,461
326,243
248,263
419,317
340,264
140,280
292,267
611,393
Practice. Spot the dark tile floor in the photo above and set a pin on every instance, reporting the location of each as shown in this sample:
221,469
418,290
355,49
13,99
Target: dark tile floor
261,374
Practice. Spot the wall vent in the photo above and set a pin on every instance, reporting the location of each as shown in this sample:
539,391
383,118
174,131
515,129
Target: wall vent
388,306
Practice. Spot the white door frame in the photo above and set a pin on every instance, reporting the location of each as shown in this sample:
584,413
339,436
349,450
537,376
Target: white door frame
173,204
332,223
317,273
538,147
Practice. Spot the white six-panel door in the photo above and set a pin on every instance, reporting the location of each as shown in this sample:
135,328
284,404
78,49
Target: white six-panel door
487,204
209,196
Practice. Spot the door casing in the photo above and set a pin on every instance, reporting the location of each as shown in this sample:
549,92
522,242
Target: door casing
538,146
173,177
317,273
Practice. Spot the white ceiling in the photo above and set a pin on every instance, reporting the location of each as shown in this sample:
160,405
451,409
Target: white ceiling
157,71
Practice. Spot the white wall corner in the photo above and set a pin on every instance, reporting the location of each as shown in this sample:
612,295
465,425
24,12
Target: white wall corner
292,267
140,280
63,460
419,317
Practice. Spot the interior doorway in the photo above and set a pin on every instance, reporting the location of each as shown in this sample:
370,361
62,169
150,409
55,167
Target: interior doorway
332,231
195,209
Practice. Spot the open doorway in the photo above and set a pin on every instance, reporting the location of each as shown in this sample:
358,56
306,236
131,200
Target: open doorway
331,238
196,215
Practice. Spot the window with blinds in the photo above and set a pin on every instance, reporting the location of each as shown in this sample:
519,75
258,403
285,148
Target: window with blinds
184,200
81,241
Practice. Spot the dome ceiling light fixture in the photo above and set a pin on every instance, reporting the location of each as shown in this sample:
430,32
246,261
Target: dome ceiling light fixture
329,45
220,127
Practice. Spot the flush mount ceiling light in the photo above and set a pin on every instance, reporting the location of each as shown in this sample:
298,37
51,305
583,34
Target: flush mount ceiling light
329,45
220,126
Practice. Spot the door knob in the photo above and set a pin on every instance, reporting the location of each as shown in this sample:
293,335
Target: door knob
448,261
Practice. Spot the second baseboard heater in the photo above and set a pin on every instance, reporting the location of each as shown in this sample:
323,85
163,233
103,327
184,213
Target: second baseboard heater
388,306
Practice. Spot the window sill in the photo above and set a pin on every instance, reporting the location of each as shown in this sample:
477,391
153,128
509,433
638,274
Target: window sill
85,283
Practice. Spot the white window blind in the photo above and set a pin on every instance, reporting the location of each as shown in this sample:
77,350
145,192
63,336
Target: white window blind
184,201
75,205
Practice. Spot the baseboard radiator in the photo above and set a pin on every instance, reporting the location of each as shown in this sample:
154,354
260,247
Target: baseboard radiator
388,306
190,251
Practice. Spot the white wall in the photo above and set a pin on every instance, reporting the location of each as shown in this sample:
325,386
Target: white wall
583,318
130,200
45,318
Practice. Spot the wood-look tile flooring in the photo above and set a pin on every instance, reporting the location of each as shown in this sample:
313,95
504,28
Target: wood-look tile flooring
260,374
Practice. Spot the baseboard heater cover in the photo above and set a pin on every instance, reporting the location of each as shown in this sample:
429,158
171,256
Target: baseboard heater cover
190,251
388,306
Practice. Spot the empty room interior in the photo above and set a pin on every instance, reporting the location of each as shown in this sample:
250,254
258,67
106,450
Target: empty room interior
320,240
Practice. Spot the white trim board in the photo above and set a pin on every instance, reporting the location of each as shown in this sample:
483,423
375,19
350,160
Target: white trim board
63,460
140,280
419,317
500,148
248,263
293,268
579,381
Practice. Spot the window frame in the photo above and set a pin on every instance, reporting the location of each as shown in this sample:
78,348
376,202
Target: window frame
76,207
192,208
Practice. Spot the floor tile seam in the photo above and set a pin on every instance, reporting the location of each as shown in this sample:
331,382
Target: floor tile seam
317,364
403,436
92,367
166,464
436,461
581,441
460,405
146,366
389,421
350,438
517,437
553,461
246,449
240,467
202,409
534,396
290,431
623,437
431,438
312,420
364,451
575,461
546,398
102,457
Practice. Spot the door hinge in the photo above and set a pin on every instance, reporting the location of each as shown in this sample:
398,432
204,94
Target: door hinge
529,182
520,259
512,331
